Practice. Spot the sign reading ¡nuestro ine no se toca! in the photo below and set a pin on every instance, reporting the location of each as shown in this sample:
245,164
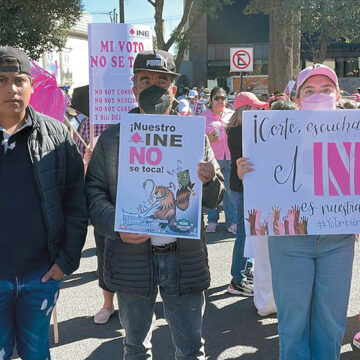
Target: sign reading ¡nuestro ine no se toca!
159,192
112,51
306,177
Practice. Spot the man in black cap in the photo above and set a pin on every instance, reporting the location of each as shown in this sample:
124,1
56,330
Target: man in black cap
137,266
43,216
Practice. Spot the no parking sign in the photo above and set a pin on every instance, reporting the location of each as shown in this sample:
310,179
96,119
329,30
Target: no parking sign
241,59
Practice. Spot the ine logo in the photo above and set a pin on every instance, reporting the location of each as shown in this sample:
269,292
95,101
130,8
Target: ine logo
143,33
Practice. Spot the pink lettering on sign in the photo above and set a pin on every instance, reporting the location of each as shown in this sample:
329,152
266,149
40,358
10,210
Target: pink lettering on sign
318,171
340,172
357,169
104,46
130,46
134,154
149,156
337,167
153,155
96,61
117,61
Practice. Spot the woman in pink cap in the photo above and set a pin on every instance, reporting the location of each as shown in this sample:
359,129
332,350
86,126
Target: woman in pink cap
311,274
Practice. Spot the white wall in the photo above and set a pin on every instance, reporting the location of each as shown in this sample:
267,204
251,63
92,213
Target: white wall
79,61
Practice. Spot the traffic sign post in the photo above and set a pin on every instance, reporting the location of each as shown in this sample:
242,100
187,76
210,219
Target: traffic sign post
241,59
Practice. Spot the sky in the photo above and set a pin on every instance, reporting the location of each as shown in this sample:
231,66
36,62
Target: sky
136,12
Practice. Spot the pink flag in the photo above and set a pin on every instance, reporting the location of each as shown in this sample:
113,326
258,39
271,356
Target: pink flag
47,98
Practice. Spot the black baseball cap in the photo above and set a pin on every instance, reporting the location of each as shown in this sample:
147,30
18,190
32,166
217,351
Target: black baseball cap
23,65
156,61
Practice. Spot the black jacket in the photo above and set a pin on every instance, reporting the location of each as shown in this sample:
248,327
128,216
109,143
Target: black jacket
127,267
235,146
59,174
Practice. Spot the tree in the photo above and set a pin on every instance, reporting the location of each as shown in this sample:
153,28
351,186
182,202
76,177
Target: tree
37,26
324,21
318,21
284,39
193,11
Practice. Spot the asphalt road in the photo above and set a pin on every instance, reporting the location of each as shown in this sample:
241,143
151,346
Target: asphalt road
232,329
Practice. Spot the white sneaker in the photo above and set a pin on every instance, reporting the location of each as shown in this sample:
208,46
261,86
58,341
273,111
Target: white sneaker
266,313
103,316
211,227
232,229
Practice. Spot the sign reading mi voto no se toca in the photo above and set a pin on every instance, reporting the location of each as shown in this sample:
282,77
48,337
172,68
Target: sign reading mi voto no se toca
112,51
306,177
159,192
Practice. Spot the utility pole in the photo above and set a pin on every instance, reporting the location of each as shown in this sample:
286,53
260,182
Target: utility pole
121,11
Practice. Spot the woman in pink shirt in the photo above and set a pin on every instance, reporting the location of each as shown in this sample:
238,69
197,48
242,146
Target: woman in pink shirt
217,117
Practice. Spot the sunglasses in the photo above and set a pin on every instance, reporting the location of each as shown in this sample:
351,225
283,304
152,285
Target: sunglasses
216,98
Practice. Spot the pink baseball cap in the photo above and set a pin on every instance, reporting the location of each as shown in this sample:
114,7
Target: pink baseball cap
316,69
248,98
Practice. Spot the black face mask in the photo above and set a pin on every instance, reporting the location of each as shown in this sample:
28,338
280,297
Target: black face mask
154,100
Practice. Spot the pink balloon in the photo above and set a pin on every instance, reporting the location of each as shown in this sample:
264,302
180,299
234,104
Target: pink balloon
47,98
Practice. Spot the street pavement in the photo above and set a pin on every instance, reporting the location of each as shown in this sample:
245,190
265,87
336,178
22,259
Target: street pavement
232,329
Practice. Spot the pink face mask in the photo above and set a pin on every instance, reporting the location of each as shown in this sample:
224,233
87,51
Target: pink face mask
318,102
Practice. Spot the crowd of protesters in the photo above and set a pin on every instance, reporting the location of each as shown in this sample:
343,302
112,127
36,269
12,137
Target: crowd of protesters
305,280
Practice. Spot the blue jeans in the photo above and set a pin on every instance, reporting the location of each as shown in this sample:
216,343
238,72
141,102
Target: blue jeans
240,264
25,309
228,201
311,278
184,314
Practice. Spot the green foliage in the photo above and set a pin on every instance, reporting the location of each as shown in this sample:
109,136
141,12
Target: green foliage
334,19
212,7
37,26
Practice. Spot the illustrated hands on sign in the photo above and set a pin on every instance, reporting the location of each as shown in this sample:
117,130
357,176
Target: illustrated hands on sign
263,229
296,211
54,273
251,220
303,225
276,212
206,171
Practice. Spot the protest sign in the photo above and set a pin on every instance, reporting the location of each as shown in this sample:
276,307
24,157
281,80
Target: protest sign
112,51
306,178
159,192
199,107
289,87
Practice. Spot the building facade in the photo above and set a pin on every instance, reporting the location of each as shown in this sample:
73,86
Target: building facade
209,53
71,64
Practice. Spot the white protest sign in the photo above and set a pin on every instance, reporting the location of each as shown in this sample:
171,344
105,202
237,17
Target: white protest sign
307,172
112,51
159,192
199,107
241,59
289,87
